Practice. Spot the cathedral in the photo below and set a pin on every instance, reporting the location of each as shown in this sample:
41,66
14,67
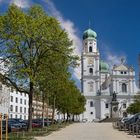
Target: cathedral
108,90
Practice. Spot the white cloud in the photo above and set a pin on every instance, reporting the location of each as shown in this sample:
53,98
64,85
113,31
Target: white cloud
21,3
70,29
3,1
111,57
65,24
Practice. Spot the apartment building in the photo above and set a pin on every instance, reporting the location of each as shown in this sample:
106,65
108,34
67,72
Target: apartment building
38,109
18,105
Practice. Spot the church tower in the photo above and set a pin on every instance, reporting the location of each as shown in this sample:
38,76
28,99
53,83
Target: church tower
108,92
90,72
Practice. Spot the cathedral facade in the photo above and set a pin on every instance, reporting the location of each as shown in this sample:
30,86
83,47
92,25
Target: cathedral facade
108,91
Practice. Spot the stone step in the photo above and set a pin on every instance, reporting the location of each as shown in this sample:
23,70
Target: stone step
109,120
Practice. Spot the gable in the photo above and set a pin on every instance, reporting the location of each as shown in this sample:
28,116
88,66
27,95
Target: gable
121,68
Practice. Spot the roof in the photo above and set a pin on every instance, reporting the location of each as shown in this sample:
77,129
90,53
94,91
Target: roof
89,33
121,67
104,67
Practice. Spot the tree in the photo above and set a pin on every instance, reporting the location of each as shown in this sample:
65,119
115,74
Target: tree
57,75
27,40
69,100
135,107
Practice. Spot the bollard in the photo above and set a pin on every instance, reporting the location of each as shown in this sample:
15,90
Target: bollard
0,126
6,126
137,130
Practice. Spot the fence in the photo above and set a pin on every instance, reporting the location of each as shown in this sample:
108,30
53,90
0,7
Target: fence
3,126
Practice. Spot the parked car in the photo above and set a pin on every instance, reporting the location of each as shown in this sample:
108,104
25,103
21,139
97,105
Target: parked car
47,121
36,125
21,122
12,126
131,120
124,119
50,121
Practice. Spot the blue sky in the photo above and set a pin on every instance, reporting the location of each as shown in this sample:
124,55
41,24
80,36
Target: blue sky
116,22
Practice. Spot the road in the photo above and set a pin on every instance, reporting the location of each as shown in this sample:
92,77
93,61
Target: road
89,131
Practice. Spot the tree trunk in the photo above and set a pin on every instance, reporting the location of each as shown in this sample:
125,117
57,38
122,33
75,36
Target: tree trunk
67,117
53,110
73,117
47,107
30,107
64,116
43,100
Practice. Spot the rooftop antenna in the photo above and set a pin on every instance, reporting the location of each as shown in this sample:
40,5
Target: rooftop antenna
139,69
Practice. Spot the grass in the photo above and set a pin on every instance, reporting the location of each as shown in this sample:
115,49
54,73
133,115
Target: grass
24,135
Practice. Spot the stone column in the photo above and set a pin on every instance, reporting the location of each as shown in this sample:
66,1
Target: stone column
129,86
116,85
133,86
113,81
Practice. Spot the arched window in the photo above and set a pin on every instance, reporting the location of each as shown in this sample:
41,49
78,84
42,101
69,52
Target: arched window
124,87
90,49
91,70
91,103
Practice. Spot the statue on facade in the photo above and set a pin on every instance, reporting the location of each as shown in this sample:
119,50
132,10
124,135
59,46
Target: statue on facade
114,96
98,92
123,60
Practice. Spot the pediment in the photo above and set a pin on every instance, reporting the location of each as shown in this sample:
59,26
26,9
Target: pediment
121,68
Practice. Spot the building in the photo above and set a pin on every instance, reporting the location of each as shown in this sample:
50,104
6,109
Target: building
108,91
18,105
38,109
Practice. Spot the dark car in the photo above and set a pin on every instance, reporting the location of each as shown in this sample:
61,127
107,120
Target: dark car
21,122
12,126
131,120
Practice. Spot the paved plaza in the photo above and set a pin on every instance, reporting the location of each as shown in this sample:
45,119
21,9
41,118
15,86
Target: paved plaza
89,131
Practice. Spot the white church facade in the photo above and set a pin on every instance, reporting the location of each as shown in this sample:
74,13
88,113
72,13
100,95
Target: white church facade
108,91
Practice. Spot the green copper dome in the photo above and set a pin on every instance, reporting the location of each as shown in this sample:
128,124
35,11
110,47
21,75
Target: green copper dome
89,34
104,67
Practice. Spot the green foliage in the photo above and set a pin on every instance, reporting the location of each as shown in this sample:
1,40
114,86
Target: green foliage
70,100
38,51
28,39
135,107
